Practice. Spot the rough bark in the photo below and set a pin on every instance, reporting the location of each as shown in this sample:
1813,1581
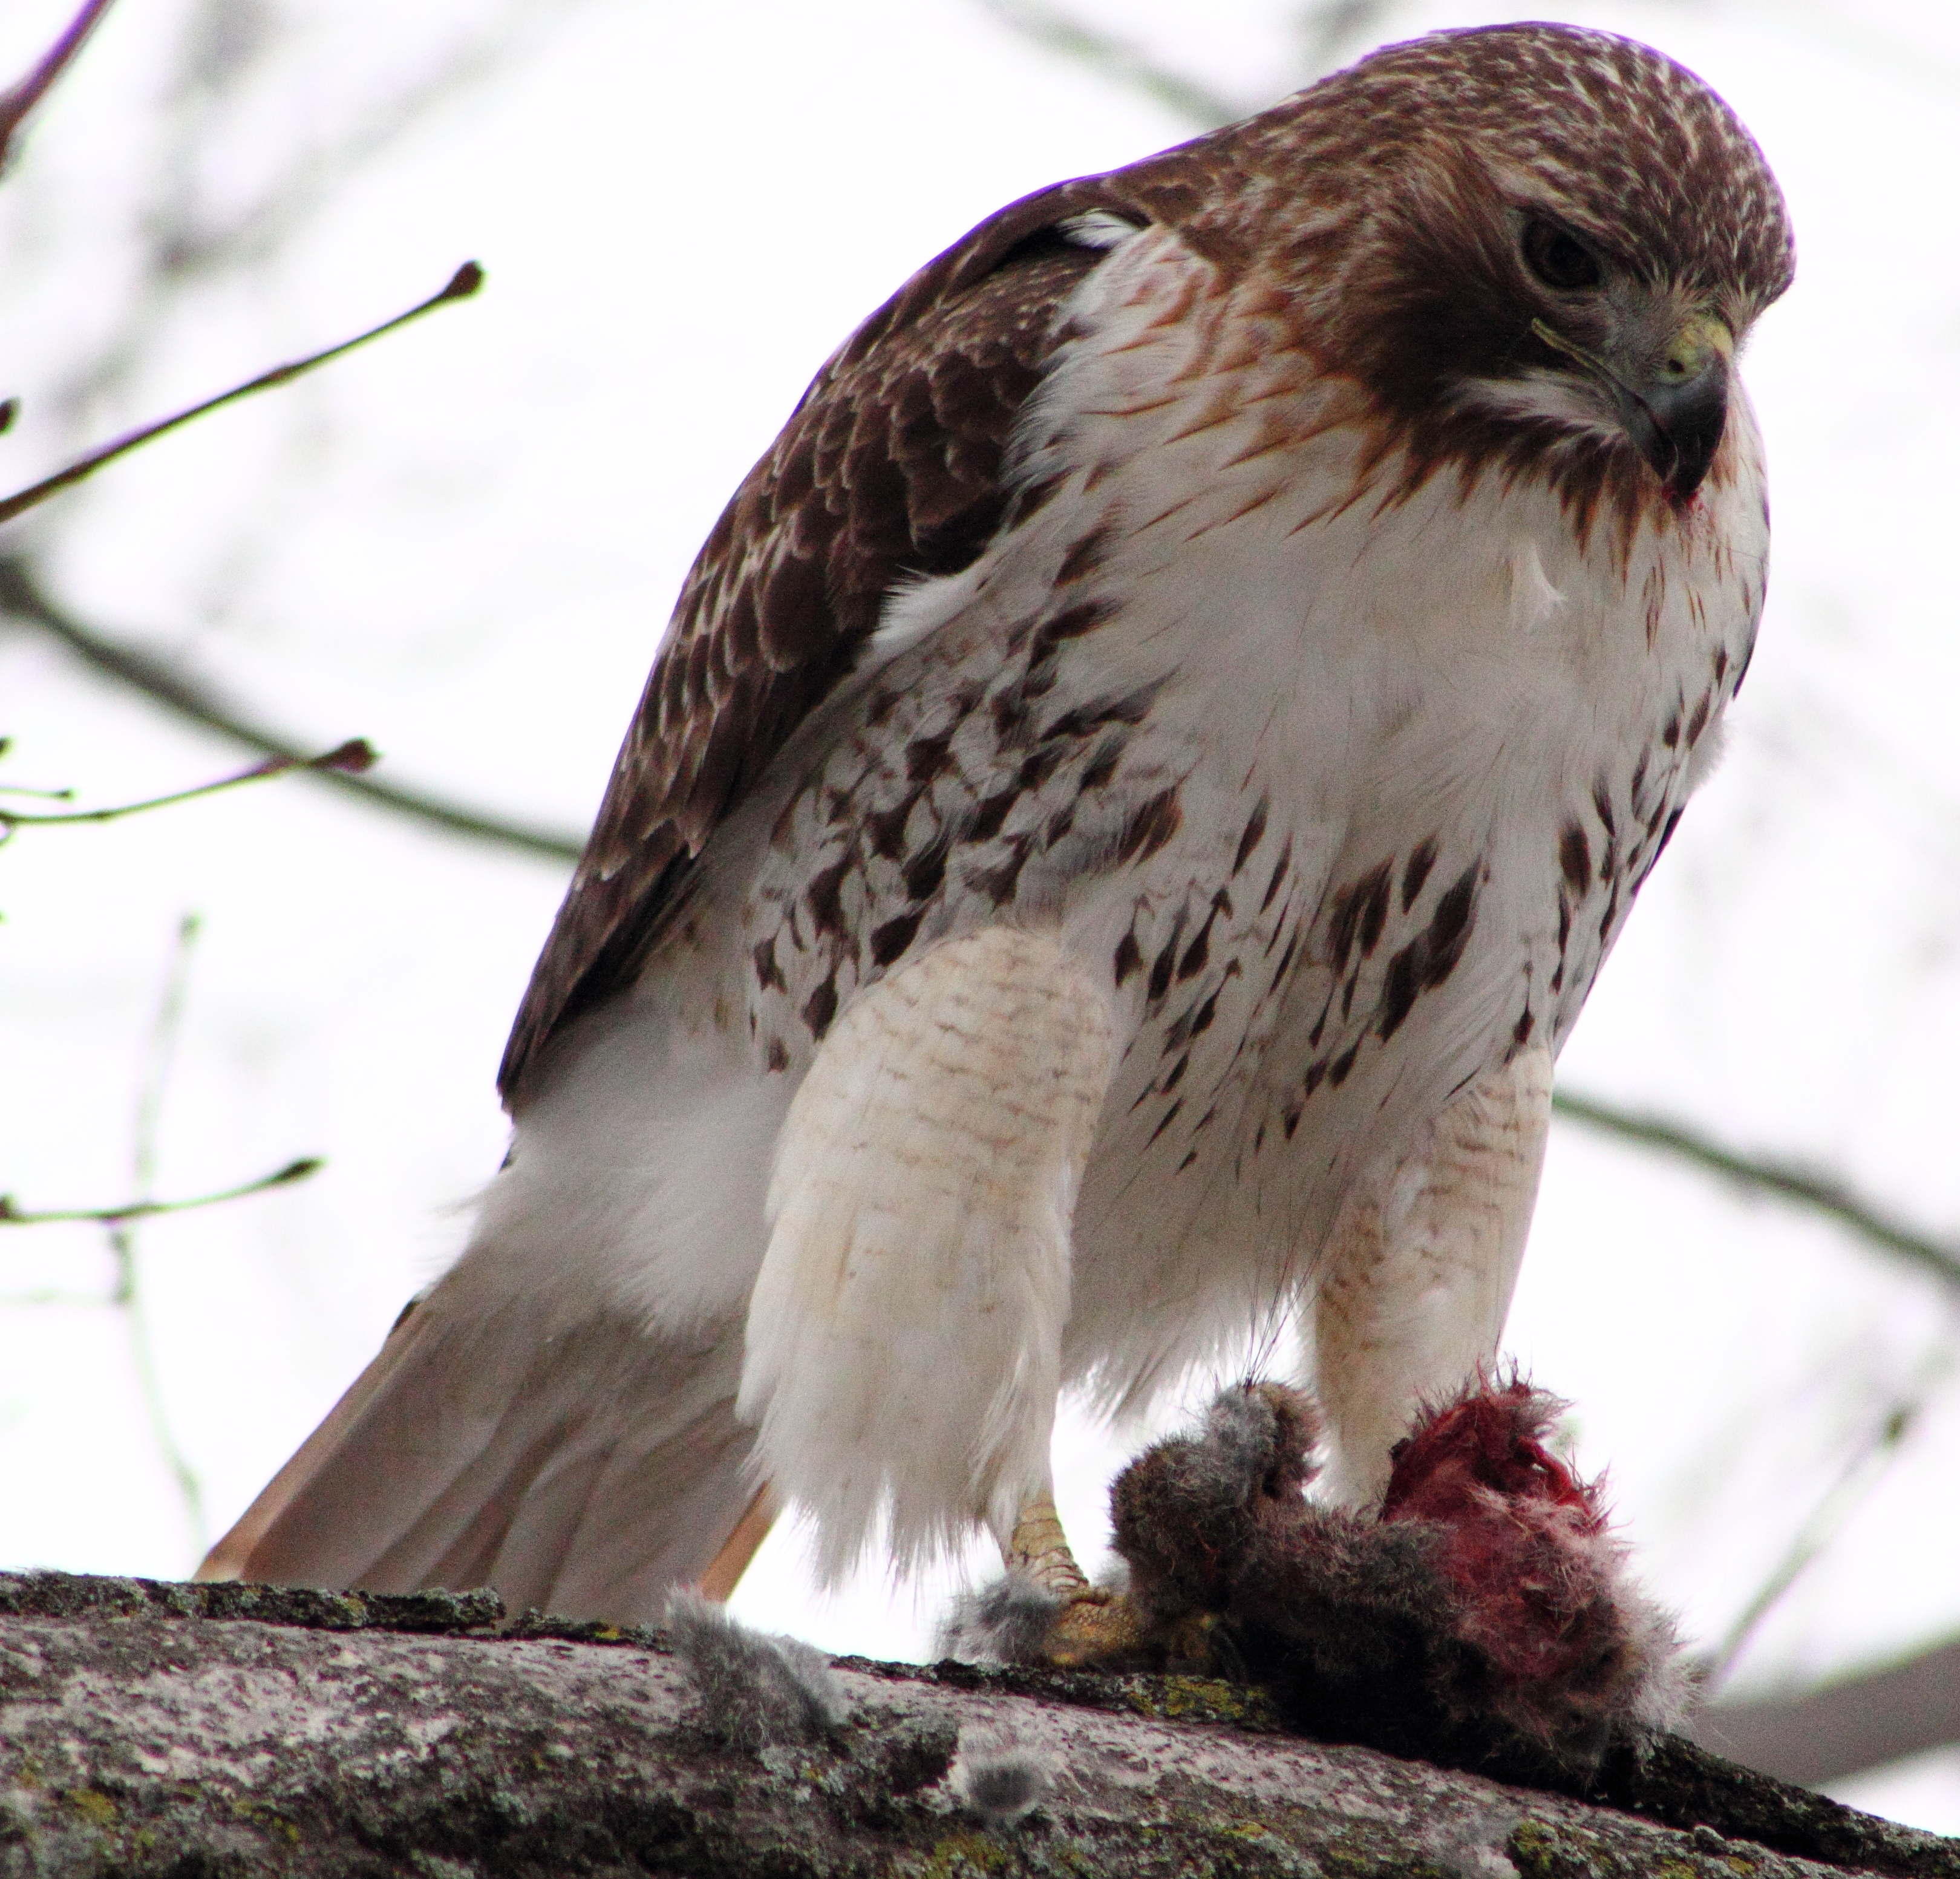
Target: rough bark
154,1729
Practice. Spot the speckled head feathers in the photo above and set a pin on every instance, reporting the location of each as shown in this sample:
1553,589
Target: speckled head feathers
1638,151
1386,210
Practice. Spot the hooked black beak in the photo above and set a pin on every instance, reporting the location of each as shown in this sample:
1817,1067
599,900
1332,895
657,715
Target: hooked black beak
1676,419
1674,412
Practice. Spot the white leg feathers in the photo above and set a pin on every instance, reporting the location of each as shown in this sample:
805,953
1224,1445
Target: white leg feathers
903,1337
1419,1270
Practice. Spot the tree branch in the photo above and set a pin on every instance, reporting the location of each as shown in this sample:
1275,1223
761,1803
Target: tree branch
1328,31
13,1216
461,286
1324,31
180,244
1846,1726
1128,65
153,1087
161,1729
23,600
1786,1181
349,759
18,101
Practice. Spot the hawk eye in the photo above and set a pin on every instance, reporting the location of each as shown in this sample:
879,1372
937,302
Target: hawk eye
1561,259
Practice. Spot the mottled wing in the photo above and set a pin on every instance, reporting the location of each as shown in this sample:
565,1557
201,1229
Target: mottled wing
890,465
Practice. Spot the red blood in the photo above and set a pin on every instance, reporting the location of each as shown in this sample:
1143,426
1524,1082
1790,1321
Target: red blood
1521,1541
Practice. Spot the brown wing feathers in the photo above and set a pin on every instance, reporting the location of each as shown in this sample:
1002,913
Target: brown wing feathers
891,465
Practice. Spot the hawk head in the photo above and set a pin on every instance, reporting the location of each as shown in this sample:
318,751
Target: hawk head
1533,248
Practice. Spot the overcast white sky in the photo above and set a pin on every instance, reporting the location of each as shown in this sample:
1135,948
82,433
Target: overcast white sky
463,544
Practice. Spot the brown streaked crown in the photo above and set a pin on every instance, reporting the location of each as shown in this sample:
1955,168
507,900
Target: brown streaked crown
1638,150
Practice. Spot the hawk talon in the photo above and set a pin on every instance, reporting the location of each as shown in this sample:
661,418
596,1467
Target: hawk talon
1095,1628
1039,1548
1091,1631
1105,1631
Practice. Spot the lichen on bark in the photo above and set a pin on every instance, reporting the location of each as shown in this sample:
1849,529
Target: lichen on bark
159,1730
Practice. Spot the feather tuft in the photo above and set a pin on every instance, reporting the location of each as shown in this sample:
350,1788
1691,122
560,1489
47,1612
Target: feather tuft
1007,1621
999,1778
756,1690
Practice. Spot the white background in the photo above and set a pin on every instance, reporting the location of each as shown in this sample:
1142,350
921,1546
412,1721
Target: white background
463,544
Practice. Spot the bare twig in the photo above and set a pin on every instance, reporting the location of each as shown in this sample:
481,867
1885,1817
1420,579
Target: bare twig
1117,58
1793,1181
22,599
128,1296
48,1295
158,1060
19,100
1328,31
356,755
1856,1480
180,244
1325,32
11,1215
184,248
1852,1723
461,285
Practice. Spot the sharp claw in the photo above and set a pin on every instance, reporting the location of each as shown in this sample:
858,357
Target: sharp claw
1039,1548
1096,1629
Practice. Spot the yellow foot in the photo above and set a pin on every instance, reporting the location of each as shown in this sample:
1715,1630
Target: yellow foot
1039,1548
1096,1627
1096,1631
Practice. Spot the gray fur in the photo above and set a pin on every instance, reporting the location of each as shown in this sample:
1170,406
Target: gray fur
1241,1434
756,1690
999,1778
1006,1622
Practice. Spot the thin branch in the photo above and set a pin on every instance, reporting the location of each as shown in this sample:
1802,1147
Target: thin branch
1860,1474
178,244
1328,31
159,1057
461,285
11,1215
1117,58
18,101
1324,31
182,251
1793,1181
73,1301
357,754
1846,1726
22,599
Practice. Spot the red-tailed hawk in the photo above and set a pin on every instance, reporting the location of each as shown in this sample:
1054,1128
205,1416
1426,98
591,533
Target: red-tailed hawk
1138,786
